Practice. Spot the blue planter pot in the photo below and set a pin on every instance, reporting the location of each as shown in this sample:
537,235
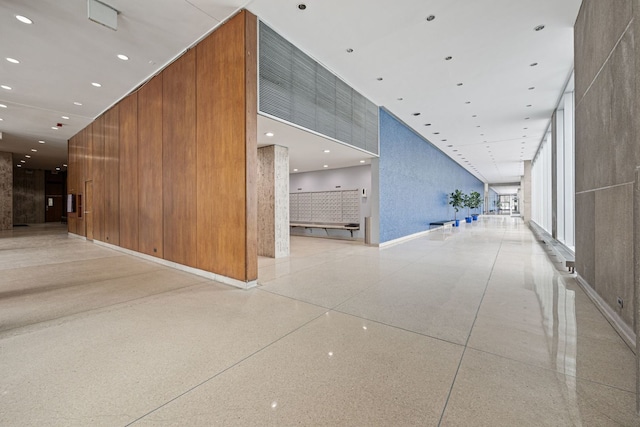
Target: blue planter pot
468,220
475,217
457,224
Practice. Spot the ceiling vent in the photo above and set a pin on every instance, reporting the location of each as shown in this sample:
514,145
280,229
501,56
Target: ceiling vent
102,14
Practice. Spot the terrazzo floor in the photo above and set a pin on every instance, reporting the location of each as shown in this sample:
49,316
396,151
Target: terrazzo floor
468,327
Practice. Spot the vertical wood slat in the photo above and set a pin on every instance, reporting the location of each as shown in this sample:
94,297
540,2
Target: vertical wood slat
150,168
179,159
111,175
98,178
129,172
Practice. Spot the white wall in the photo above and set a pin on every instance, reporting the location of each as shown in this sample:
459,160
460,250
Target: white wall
357,177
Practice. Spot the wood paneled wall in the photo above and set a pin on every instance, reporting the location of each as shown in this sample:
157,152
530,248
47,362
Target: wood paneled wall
174,164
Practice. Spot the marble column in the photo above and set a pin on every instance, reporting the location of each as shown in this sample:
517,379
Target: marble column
525,201
273,201
6,191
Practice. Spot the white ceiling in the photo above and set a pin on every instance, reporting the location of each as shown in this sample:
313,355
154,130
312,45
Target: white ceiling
492,44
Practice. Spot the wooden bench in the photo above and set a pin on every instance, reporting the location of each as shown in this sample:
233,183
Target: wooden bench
442,223
327,226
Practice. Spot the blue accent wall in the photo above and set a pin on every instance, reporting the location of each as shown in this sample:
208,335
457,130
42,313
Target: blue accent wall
415,179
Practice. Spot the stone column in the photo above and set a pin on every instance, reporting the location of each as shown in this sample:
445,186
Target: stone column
273,201
525,202
6,191
636,278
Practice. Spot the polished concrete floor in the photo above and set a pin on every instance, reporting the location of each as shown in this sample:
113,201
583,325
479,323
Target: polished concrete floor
469,327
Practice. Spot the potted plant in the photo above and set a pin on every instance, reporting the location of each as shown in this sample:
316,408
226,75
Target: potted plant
468,203
456,199
476,202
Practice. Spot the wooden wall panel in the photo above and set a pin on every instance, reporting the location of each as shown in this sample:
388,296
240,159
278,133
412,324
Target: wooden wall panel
129,172
97,153
81,155
179,159
221,151
150,220
72,171
111,175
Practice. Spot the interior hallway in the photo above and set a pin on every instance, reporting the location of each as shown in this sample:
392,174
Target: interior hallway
473,326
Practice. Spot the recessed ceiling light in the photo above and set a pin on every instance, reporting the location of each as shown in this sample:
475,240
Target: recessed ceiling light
467,102
302,6
269,134
450,145
24,19
523,142
54,127
539,28
455,151
459,84
448,58
349,50
380,79
1,119
436,133
27,156
13,61
362,161
295,170
533,64
524,136
5,87
34,150
416,114
325,166
57,169
96,84
3,106
427,124
525,128
77,103
528,105
478,126
23,161
400,99
444,140
19,166
475,115
64,165
527,118
532,88
65,117
41,142
123,57
431,18
327,151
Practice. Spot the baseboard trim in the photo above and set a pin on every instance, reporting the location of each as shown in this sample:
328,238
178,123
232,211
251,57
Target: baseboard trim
624,330
409,237
198,272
